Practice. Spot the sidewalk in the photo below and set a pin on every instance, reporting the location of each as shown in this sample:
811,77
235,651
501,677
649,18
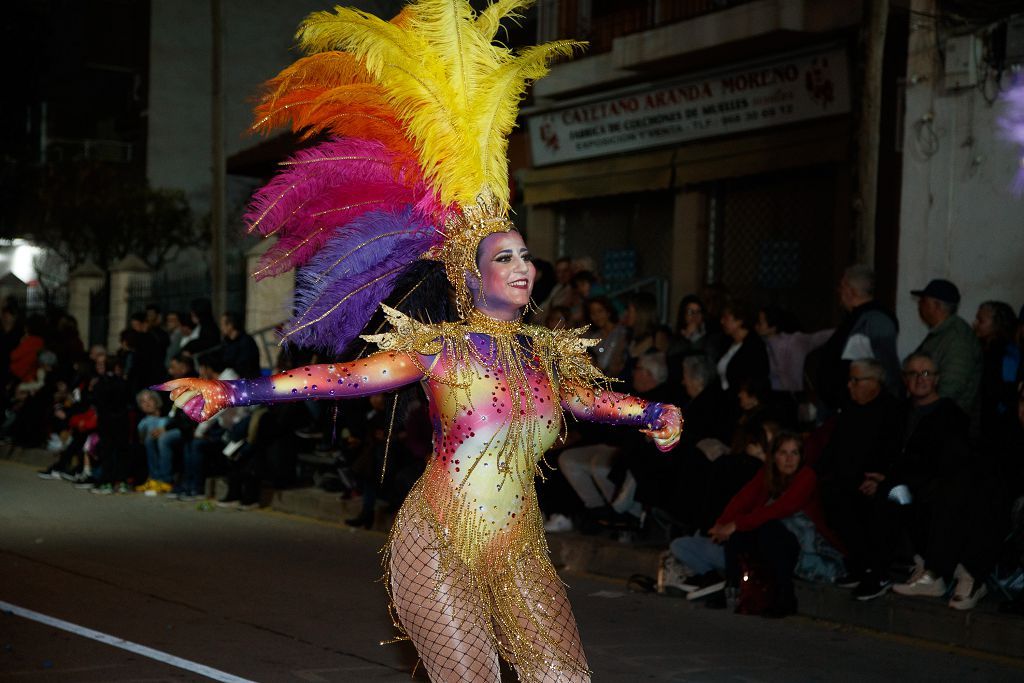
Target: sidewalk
983,628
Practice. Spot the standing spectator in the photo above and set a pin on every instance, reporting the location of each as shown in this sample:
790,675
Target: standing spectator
584,286
641,319
610,353
868,330
10,337
950,343
787,348
561,294
747,357
693,335
146,366
206,333
175,333
865,440
240,352
996,328
111,397
155,327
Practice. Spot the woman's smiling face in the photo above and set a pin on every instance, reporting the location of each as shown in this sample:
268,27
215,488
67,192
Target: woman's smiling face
507,274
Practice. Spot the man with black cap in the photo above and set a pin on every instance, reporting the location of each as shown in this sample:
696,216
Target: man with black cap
950,342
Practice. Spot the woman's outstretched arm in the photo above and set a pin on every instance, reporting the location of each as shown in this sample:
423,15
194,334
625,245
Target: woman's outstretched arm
661,421
201,399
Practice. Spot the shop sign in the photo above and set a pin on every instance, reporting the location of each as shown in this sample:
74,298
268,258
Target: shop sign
799,88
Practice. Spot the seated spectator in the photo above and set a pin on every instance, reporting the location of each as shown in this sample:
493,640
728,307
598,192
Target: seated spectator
708,413
208,439
775,524
960,515
747,357
588,469
609,354
933,450
150,428
995,326
701,558
25,356
865,440
238,348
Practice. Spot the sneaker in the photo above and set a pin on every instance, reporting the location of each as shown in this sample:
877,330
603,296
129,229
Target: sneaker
123,487
245,507
50,473
558,524
164,487
851,580
967,592
148,485
103,489
228,504
707,584
871,587
672,576
189,497
923,582
151,493
309,433
87,484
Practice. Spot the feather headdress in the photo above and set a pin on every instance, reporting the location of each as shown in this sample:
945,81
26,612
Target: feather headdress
417,111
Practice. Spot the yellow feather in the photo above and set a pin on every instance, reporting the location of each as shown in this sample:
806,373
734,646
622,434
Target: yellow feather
455,93
497,106
489,21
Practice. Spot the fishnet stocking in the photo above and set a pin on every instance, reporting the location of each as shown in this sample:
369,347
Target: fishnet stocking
557,638
445,622
440,617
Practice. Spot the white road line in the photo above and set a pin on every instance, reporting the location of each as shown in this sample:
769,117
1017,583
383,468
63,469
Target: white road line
114,641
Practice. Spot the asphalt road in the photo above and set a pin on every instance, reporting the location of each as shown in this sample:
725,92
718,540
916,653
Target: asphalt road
261,596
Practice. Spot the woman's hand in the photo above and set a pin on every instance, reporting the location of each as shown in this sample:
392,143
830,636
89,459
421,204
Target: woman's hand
200,399
720,533
666,433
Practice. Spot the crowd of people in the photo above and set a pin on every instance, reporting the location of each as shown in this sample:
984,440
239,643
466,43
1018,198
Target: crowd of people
818,455
822,456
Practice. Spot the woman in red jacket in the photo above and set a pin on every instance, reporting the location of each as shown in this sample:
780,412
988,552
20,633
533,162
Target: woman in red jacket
778,520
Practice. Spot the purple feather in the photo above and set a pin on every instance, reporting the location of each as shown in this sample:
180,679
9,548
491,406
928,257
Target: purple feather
341,287
327,186
1012,124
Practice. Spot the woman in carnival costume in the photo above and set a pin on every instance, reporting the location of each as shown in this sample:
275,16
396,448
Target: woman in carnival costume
416,113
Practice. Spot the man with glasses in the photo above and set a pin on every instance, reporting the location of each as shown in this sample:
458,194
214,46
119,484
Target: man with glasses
863,446
930,463
951,343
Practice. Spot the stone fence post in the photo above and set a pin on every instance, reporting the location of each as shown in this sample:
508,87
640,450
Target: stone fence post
83,282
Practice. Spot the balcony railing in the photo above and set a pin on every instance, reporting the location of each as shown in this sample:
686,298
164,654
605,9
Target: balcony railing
602,21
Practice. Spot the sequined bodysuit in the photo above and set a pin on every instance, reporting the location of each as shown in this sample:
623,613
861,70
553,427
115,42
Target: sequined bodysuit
496,392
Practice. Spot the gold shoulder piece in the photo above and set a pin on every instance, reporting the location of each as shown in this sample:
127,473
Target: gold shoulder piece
565,354
407,334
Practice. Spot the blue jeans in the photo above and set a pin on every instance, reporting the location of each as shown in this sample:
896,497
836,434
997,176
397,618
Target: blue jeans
699,553
160,455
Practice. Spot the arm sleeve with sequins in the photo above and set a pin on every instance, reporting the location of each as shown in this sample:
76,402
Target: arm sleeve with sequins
380,372
609,407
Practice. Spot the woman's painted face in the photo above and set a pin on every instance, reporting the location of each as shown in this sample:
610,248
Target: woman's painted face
787,458
507,274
